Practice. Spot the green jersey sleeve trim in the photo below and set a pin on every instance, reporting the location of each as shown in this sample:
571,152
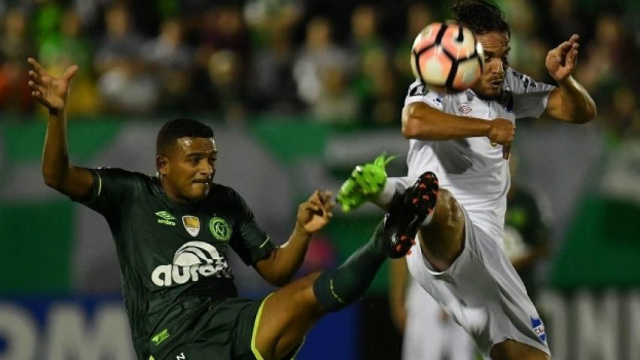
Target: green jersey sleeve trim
99,183
95,191
265,242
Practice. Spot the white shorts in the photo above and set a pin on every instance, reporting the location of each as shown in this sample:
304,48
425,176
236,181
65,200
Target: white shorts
482,292
428,333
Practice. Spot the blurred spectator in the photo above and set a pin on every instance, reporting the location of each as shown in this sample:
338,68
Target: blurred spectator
336,104
223,50
224,28
364,37
561,19
419,15
46,19
623,116
170,57
600,72
282,56
377,90
263,16
15,47
15,43
124,84
317,55
528,52
374,78
227,87
273,87
68,46
15,95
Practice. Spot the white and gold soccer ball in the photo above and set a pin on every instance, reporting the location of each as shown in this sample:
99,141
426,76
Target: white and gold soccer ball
447,57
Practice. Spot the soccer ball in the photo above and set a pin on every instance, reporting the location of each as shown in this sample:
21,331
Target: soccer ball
447,57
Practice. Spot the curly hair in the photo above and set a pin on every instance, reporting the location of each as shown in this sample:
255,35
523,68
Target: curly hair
480,16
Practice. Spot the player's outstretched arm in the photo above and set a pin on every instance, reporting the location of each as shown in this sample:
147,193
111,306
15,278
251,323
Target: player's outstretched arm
423,122
570,101
313,215
52,92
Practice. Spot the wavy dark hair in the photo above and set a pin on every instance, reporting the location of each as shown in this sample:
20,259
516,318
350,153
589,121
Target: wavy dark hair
179,128
480,16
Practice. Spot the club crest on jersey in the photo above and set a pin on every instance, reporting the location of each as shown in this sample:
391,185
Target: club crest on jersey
538,328
220,229
191,224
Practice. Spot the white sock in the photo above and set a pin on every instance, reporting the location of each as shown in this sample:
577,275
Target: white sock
428,219
387,193
393,186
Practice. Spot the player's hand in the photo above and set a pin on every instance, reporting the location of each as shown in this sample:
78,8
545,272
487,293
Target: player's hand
49,90
502,132
562,60
315,213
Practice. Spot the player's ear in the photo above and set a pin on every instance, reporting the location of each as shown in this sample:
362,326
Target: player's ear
162,165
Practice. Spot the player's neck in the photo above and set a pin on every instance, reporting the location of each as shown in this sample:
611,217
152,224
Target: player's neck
173,195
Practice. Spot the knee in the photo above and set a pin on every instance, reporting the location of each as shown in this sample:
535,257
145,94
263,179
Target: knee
302,293
447,211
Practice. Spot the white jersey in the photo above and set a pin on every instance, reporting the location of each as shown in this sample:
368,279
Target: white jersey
472,169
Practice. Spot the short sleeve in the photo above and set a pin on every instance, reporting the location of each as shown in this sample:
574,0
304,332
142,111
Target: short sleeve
418,92
530,97
113,189
249,241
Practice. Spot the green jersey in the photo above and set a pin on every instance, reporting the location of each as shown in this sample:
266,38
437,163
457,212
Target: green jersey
173,257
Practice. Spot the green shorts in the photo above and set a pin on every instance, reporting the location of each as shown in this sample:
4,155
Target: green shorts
226,331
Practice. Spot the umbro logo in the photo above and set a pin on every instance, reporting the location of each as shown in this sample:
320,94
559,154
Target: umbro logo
464,109
165,215
166,218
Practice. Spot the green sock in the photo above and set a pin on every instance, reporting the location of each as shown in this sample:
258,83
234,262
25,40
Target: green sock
340,287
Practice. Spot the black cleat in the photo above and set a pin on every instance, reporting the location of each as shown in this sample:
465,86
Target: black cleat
407,213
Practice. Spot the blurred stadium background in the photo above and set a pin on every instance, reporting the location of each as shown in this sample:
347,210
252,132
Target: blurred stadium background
298,92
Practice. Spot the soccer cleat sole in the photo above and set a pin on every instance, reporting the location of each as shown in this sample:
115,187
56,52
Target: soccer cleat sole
404,220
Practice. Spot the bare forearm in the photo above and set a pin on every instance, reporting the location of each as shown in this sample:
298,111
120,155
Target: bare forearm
57,172
398,283
288,258
577,105
55,156
419,121
397,292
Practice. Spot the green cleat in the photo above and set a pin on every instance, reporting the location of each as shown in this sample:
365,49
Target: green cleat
364,184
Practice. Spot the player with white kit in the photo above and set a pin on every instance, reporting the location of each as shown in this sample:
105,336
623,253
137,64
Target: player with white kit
464,138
